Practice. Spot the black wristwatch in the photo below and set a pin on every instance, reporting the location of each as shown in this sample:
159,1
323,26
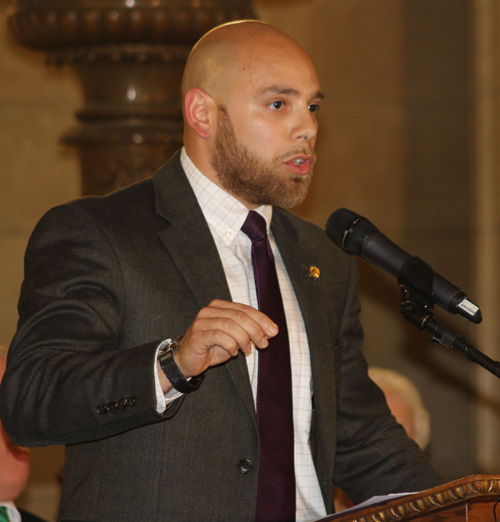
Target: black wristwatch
171,370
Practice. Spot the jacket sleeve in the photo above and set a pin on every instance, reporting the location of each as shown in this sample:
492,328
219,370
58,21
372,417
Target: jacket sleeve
374,456
68,378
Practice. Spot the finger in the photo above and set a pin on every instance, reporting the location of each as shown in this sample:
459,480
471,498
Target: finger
242,330
262,319
241,313
203,349
237,324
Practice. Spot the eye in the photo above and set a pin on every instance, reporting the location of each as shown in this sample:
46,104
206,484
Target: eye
277,105
314,107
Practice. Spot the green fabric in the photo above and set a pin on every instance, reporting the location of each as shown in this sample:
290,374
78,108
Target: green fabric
4,517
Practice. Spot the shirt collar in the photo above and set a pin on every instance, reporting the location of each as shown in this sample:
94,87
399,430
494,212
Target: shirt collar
14,515
223,212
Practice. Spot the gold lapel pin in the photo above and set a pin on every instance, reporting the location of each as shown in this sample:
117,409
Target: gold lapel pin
314,273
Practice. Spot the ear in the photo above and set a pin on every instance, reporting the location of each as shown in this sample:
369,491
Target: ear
198,113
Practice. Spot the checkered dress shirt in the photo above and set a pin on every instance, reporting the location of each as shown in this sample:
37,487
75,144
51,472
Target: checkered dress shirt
225,216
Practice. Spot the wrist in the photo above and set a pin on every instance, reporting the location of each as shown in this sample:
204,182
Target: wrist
172,372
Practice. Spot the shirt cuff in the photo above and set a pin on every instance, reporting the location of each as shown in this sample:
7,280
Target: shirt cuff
163,400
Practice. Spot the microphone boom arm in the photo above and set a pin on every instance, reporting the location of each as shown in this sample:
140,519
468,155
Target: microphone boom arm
416,282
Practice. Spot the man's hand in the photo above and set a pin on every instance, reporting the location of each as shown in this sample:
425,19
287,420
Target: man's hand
218,332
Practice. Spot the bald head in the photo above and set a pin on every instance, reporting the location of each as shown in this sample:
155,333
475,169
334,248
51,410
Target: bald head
224,53
251,96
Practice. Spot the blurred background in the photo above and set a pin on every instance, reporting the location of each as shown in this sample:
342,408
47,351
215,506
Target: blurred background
409,137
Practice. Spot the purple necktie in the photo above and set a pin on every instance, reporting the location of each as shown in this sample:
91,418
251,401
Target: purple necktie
276,489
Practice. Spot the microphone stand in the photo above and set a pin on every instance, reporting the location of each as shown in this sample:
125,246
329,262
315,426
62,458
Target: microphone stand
415,280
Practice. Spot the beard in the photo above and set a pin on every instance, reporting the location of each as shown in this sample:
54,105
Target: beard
251,179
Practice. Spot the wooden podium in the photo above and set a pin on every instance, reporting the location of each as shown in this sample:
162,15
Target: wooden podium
471,499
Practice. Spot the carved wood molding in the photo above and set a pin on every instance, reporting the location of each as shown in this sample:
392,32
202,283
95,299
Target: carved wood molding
405,508
123,133
116,53
54,24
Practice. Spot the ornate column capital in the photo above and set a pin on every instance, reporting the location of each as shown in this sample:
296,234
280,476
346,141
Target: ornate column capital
129,56
61,24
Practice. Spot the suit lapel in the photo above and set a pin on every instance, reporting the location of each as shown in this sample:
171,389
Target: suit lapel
311,296
190,244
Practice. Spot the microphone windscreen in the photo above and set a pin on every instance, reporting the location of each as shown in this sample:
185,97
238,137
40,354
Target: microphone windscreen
348,230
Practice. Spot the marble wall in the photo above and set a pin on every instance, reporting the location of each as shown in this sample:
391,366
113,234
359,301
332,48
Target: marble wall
398,143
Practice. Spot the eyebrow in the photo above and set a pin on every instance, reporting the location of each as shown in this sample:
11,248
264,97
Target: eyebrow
276,89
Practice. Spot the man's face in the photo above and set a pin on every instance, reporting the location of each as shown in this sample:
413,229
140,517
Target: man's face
14,462
263,151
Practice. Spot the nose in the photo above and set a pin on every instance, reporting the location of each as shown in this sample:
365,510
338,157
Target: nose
306,126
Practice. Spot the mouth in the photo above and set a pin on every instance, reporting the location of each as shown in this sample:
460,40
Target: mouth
300,165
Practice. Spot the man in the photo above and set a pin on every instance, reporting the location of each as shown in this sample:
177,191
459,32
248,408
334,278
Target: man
111,281
14,471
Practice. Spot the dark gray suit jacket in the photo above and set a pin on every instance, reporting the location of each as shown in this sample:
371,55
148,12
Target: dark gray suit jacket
29,517
106,280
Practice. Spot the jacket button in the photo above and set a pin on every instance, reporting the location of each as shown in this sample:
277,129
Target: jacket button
112,407
122,404
130,400
245,465
102,409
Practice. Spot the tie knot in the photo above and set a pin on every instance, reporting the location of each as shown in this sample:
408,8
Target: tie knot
255,226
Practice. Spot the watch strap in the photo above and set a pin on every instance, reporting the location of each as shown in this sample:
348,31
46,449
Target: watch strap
172,371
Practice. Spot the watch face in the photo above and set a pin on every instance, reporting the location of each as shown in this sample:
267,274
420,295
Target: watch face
169,345
164,346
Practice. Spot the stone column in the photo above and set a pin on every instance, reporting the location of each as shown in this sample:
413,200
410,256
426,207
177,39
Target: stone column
129,56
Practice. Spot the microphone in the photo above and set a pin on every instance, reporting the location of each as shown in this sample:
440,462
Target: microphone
356,235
